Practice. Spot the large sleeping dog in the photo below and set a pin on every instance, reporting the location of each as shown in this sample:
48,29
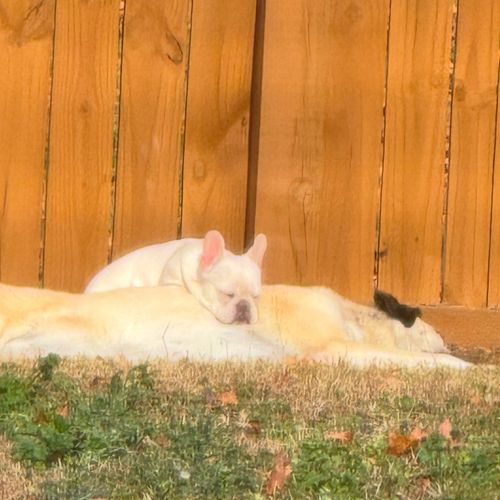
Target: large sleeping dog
166,321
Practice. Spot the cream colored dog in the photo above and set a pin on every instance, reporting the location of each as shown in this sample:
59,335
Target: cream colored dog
144,323
225,283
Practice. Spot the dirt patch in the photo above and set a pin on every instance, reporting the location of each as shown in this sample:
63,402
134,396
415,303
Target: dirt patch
477,355
466,328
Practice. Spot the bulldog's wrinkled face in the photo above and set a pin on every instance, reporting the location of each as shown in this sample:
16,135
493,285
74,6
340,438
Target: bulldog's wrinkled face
231,284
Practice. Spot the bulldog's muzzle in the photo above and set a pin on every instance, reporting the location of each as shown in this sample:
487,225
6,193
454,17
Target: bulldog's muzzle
243,312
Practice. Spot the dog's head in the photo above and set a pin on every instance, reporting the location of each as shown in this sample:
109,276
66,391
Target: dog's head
231,283
420,337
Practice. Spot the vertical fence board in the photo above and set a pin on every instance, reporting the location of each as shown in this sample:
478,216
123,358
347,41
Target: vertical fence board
184,138
415,149
320,150
26,33
216,149
81,141
156,48
494,274
472,148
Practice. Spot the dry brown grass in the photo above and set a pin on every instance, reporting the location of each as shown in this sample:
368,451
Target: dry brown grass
15,480
336,396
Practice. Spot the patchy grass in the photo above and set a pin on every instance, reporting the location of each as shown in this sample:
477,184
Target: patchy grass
81,429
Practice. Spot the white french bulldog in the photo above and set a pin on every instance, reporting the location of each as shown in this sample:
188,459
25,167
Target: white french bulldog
225,283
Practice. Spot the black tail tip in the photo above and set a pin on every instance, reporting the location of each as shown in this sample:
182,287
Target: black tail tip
388,304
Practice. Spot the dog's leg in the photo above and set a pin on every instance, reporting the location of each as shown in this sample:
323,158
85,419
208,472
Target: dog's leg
366,355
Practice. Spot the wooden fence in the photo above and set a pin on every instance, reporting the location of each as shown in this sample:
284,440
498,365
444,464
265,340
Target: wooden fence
359,135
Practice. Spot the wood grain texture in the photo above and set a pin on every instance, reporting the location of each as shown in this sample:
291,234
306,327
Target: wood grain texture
415,150
216,148
26,34
156,50
494,271
81,141
320,150
472,148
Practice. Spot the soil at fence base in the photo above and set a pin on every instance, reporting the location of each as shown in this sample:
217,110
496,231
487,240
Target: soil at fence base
472,334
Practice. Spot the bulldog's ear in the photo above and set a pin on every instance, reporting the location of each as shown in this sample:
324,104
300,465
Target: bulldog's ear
258,249
213,249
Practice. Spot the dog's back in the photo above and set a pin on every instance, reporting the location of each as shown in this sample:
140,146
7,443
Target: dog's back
141,267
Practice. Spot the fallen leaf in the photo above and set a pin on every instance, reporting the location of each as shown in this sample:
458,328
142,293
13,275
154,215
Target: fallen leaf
391,382
96,381
63,410
228,398
41,417
445,428
342,436
279,474
146,442
418,434
283,377
162,441
424,483
253,427
399,444
476,399
210,397
302,360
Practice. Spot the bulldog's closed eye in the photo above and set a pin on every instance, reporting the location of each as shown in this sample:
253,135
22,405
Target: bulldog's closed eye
225,297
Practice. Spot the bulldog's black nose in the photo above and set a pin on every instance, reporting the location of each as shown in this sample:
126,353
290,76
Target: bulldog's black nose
242,312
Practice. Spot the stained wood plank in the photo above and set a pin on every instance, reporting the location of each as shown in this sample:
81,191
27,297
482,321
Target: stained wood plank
415,150
81,141
156,51
494,272
320,150
216,148
26,33
472,148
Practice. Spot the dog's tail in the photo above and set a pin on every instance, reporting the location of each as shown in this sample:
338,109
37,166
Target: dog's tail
389,304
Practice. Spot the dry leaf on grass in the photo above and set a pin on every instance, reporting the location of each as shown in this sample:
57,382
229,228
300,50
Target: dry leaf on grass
63,410
228,398
41,417
399,444
424,483
445,429
281,471
162,441
342,436
210,397
253,427
419,434
282,378
391,383
476,399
